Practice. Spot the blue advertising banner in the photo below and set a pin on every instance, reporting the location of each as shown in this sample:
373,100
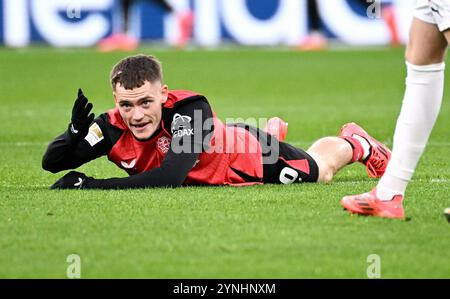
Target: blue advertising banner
79,23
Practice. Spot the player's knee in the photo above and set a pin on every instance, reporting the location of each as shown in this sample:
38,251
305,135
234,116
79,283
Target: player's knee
425,55
426,45
325,176
326,170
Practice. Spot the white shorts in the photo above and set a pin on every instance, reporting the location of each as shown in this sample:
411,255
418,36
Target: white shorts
434,12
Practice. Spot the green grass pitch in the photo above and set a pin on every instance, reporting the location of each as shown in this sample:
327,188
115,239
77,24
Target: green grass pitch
271,231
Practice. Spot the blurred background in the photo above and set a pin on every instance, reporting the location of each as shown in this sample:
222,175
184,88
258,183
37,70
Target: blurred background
124,24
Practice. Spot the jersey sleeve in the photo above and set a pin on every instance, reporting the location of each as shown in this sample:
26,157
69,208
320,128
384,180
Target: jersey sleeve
190,125
66,153
189,138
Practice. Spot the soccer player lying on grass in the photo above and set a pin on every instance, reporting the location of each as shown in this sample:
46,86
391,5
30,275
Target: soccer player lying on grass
165,138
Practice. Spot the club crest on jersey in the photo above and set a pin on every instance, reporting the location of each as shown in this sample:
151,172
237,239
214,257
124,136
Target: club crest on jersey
181,126
163,144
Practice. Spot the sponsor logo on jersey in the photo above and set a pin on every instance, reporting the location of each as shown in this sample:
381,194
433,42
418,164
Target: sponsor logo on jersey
181,126
163,144
95,134
436,10
128,165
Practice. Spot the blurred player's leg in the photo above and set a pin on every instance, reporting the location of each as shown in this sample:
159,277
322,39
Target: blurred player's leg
315,40
164,5
179,25
421,104
121,40
390,19
389,16
125,6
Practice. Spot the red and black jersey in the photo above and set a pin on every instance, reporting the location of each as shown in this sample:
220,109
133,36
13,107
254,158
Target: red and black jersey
214,164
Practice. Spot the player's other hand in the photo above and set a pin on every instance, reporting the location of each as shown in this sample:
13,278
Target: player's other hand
81,119
72,180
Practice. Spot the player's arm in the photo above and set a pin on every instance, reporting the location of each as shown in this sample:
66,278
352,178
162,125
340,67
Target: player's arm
180,159
71,150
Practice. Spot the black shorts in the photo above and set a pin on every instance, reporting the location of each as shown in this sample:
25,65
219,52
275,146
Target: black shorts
282,162
293,165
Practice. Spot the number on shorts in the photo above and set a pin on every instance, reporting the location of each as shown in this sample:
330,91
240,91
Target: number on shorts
288,176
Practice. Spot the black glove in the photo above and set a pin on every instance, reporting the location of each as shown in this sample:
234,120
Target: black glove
81,119
72,180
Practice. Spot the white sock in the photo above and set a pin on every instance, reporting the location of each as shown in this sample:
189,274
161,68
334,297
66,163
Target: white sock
364,144
420,108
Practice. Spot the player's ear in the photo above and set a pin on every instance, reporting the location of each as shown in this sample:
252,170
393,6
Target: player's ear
164,92
115,96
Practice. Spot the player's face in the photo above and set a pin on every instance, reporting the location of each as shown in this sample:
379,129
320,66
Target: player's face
141,107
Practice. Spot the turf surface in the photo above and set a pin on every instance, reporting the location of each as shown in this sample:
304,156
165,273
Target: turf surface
296,231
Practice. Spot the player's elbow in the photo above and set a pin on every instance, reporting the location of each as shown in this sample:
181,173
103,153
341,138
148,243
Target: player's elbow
49,167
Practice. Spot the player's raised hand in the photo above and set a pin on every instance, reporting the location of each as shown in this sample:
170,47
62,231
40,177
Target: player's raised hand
81,119
72,180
